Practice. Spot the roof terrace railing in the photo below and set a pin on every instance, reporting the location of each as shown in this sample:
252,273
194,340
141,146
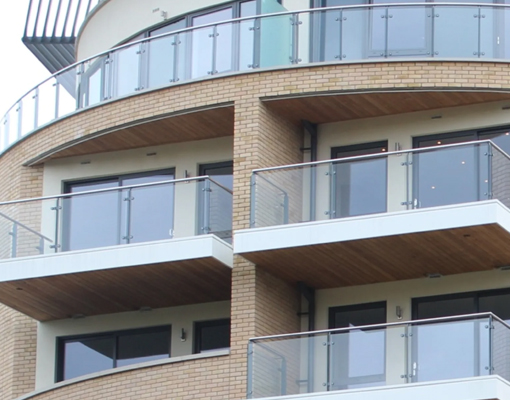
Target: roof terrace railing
374,32
436,349
114,216
380,183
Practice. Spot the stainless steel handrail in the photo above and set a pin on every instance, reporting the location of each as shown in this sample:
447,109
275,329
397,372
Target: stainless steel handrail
387,325
116,189
382,155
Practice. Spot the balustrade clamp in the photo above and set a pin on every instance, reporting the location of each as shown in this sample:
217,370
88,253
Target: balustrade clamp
406,203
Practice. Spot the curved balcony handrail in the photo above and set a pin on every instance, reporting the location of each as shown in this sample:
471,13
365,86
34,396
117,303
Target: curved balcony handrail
129,69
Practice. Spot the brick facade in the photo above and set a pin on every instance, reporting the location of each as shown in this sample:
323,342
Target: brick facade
261,303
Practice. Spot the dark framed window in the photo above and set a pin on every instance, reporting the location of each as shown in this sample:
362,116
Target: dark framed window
86,354
359,356
118,216
468,167
211,335
359,187
459,348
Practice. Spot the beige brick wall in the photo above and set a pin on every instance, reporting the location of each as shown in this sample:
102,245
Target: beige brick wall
261,304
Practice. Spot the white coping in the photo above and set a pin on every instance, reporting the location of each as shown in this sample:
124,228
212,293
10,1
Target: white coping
372,226
119,370
477,388
128,255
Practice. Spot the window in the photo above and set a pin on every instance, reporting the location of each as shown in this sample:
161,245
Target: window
211,335
118,216
359,186
359,356
467,179
81,355
455,349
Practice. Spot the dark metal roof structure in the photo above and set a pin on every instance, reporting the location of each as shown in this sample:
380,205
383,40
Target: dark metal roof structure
51,29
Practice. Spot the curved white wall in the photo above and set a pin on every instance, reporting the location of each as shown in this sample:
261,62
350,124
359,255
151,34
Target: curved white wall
116,20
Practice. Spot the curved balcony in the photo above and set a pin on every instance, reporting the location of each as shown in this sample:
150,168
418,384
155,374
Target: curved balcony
348,34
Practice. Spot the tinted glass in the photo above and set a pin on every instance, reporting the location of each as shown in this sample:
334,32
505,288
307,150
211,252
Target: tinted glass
213,336
501,138
151,209
444,307
91,220
142,347
498,304
360,185
87,356
359,356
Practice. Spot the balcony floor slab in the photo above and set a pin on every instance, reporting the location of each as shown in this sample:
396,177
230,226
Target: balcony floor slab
120,278
383,247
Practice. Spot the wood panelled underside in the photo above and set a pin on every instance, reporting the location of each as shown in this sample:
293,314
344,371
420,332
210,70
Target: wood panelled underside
391,258
321,109
198,125
119,289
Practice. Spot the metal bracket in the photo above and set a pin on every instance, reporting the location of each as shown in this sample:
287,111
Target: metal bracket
406,163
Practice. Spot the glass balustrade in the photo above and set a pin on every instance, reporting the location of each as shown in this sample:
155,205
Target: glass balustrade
378,355
277,38
380,183
115,216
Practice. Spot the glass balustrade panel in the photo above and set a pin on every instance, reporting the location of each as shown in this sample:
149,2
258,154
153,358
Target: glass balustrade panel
500,179
409,31
202,40
223,56
215,209
28,107
500,342
127,70
161,59
289,366
67,89
455,32
46,102
147,213
247,36
452,350
92,82
450,176
355,33
276,41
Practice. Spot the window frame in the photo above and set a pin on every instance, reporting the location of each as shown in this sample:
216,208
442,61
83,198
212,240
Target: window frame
115,335
197,331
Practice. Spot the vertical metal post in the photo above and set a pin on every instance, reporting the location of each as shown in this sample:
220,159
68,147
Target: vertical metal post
20,118
206,212
214,36
253,183
36,107
14,240
249,383
257,43
175,73
332,191
329,367
340,41
283,383
127,235
490,158
6,129
386,17
285,208
479,52
57,98
491,347
313,192
41,246
57,209
295,39
408,356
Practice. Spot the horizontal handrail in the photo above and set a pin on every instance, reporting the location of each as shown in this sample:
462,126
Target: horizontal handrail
116,189
310,12
387,325
381,155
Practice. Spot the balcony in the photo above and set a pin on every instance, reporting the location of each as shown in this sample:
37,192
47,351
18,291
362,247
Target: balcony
148,245
447,353
361,33
383,217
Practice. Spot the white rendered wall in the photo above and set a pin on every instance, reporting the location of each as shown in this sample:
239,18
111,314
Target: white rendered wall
183,157
178,317
117,20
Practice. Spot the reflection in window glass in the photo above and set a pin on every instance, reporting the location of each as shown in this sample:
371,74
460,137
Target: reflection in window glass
88,356
212,335
142,347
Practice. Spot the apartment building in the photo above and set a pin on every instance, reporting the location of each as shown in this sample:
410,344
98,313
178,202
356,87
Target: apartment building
277,199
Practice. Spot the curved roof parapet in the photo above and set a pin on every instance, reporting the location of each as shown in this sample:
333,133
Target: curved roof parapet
51,28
